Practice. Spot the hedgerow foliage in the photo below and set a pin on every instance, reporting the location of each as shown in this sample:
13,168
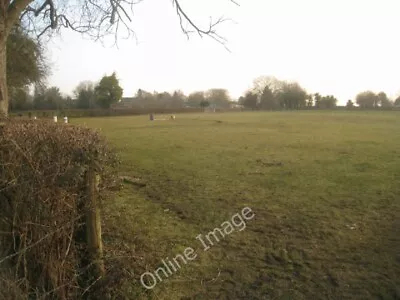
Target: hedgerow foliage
42,192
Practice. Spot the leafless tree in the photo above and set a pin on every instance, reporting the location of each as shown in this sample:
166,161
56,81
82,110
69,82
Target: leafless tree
95,18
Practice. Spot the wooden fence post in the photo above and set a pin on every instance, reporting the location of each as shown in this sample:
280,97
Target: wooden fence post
93,226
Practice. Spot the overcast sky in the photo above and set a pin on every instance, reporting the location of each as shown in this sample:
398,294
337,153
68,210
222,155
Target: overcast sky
338,47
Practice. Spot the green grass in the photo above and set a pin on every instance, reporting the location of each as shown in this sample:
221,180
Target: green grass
324,186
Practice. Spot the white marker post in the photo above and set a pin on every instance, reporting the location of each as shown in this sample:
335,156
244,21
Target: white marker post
66,120
55,119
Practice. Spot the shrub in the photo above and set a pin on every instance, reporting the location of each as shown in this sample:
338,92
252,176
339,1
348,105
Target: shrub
42,192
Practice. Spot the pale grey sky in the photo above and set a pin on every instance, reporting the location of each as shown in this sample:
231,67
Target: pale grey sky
338,47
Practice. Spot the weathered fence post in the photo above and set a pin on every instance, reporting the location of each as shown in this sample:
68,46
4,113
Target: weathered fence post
93,226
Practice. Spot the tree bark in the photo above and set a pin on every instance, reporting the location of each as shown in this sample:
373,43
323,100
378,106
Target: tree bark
3,70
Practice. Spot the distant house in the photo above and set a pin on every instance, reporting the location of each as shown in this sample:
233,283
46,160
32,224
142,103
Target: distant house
235,105
125,102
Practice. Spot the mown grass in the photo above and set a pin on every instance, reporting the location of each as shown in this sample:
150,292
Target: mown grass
325,188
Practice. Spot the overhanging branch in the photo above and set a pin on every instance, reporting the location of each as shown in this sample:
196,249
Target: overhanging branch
100,18
210,31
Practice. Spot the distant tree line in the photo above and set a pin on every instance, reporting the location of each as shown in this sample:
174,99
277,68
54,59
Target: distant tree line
87,95
369,99
108,94
27,69
218,98
269,93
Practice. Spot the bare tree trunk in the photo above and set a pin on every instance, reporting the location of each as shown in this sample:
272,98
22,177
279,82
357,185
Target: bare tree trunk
3,70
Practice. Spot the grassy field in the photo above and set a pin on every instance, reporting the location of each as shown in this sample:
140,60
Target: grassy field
324,187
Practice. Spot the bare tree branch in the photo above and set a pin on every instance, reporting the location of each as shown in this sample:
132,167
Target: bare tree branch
210,31
101,18
44,31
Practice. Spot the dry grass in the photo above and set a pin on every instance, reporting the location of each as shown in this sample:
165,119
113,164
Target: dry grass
324,187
